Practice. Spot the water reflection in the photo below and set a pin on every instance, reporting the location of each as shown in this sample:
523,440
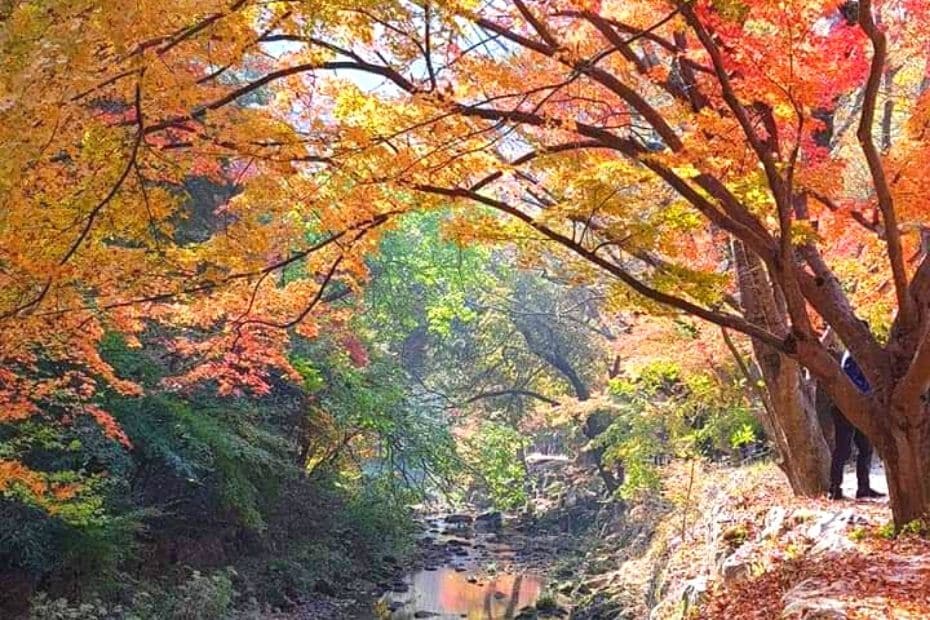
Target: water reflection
449,594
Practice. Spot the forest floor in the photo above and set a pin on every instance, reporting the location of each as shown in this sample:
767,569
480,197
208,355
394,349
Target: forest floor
802,558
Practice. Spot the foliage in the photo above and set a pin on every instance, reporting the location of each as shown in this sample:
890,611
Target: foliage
546,601
660,411
214,170
199,597
202,465
476,331
204,596
495,453
735,535
421,279
369,409
194,195
887,530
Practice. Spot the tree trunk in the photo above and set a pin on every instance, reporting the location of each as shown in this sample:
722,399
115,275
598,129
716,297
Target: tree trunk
802,447
907,470
894,415
796,431
595,424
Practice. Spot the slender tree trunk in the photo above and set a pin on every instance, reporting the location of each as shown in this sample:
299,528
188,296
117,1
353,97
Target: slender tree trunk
595,424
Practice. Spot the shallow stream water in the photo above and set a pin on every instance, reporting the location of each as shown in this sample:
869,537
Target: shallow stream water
448,594
472,576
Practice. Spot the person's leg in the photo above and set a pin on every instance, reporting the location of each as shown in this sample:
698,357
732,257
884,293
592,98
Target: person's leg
864,466
863,460
843,433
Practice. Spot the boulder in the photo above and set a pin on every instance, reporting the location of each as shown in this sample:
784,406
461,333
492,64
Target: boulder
774,522
693,592
490,521
805,515
459,519
811,601
734,568
829,532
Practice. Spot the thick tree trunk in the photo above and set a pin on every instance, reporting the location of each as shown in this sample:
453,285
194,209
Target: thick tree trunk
802,447
794,425
894,415
907,470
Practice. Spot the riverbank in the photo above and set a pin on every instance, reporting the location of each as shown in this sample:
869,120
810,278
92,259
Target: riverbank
739,545
714,542
478,564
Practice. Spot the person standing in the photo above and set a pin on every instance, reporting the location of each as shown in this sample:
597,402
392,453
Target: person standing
845,434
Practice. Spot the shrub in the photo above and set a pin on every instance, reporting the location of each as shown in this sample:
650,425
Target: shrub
546,601
200,597
917,527
736,535
886,531
204,597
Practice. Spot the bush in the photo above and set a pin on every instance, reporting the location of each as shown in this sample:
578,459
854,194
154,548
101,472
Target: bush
308,482
44,608
378,519
204,597
736,535
200,597
660,410
546,601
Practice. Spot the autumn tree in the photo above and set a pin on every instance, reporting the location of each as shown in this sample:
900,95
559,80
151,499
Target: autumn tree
109,223
678,147
648,138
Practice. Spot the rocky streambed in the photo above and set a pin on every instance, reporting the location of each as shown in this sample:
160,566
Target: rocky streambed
489,565
473,566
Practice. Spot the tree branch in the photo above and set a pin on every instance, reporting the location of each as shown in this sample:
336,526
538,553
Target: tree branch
95,211
722,319
513,392
876,169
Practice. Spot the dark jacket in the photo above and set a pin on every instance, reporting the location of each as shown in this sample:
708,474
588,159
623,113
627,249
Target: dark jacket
855,374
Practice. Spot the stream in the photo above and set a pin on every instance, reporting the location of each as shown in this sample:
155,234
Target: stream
466,571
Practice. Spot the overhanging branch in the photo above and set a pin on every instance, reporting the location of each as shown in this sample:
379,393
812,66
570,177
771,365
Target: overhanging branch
719,318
